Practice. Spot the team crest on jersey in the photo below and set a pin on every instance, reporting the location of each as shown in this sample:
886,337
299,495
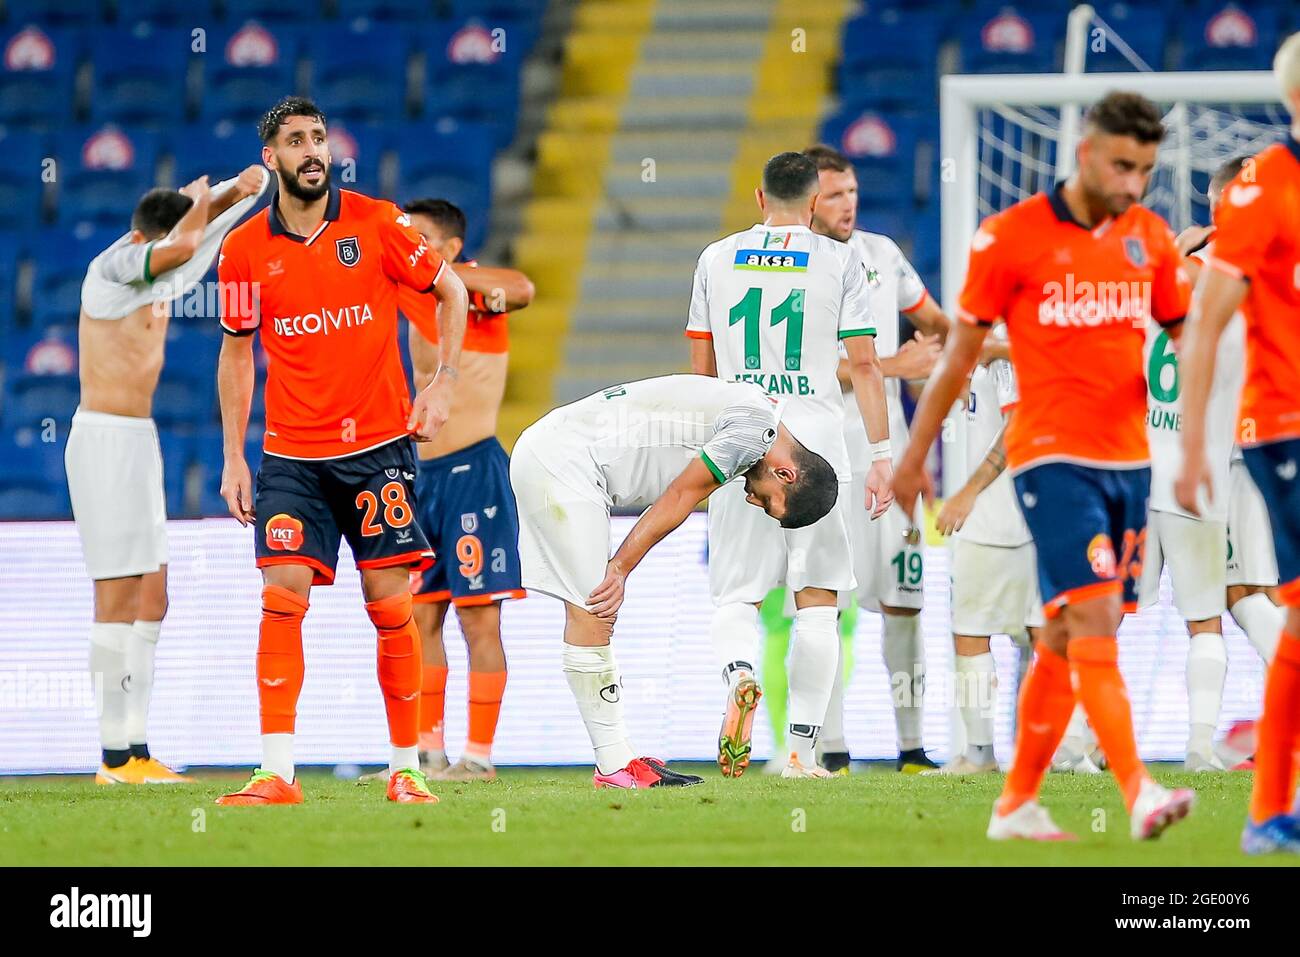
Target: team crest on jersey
1101,556
392,473
349,251
283,533
469,523
490,511
873,277
1135,251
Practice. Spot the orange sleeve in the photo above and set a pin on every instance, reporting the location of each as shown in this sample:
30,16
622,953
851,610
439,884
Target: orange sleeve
407,258
421,310
1171,291
1244,228
240,314
990,274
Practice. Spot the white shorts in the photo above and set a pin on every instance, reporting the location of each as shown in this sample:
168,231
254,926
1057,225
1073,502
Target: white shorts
564,535
994,589
115,479
750,553
1195,551
888,553
1251,560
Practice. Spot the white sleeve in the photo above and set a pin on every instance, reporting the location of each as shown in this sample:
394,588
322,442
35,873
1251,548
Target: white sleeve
697,318
856,318
124,263
1004,380
745,433
911,291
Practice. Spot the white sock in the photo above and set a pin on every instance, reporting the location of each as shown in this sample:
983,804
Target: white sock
400,759
1262,622
593,678
905,662
1075,742
977,688
1024,655
277,755
1207,666
814,653
140,648
108,643
832,736
735,635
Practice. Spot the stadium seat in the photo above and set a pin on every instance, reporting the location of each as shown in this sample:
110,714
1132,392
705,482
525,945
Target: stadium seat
889,61
216,151
248,69
33,401
192,351
883,152
468,75
1143,28
237,11
60,260
1229,36
1010,39
103,172
184,399
360,75
447,160
22,187
158,13
48,352
415,10
177,454
88,13
140,75
37,75
358,152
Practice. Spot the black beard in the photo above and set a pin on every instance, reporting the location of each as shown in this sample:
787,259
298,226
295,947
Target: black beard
307,194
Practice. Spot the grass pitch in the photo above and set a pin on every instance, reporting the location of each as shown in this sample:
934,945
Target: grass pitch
553,816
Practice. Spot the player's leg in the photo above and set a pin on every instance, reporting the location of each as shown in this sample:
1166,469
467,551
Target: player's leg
140,652
1252,564
1207,669
429,619
481,626
976,689
116,601
832,750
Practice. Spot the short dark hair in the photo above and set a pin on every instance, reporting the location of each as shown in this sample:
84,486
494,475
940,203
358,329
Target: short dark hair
274,118
812,495
1122,113
828,157
789,176
1227,172
158,212
448,217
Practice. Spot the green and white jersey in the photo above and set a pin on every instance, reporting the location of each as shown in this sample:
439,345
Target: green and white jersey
776,300
625,444
1165,415
893,286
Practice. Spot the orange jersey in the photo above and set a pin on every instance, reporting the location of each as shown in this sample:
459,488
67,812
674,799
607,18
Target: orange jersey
1257,238
485,329
326,307
1076,302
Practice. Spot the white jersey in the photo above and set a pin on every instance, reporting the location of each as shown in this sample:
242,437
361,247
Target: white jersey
776,300
636,438
119,281
996,518
1165,414
893,286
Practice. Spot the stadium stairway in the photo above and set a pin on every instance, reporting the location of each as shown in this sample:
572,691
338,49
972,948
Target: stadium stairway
667,112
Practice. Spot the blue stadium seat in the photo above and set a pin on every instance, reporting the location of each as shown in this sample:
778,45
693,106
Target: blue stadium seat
47,352
177,455
210,459
525,12
357,151
1144,28
1229,36
217,151
237,11
1010,39
184,399
468,76
37,74
416,10
192,351
889,60
103,172
247,69
158,13
360,74
32,401
883,152
140,75
60,260
22,186
87,13
447,160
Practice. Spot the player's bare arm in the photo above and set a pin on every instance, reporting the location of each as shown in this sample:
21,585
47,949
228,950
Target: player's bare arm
703,359
235,375
957,508
914,360
944,386
869,392
930,319
432,405
684,493
504,290
178,246
1218,296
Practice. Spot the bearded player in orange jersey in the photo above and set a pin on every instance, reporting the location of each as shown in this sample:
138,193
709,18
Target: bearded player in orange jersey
322,267
1255,265
1077,442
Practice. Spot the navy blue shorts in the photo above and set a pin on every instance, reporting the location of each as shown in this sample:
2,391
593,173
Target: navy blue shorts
467,507
1078,515
304,507
1273,466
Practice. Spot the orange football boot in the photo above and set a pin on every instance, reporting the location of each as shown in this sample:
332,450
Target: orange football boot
408,786
264,787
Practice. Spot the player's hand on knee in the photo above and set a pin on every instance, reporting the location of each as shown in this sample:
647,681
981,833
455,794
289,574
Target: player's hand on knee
607,597
880,490
237,489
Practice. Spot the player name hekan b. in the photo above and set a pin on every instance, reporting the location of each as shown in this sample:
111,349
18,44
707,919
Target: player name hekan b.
323,322
74,909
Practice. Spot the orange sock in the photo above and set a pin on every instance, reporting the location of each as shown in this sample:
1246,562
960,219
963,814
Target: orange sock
399,666
1275,767
433,703
1046,701
279,659
486,689
1094,661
